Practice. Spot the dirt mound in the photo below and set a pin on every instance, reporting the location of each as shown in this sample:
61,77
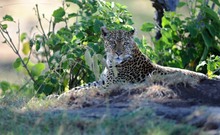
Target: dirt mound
196,104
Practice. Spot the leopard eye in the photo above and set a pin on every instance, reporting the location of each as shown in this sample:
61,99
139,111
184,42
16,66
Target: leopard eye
113,44
126,43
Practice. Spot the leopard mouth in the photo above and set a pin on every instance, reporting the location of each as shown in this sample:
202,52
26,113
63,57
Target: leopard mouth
120,59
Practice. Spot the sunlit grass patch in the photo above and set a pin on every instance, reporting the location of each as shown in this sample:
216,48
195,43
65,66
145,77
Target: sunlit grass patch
139,121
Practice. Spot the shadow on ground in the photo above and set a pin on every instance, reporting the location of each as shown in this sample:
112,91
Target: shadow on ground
197,105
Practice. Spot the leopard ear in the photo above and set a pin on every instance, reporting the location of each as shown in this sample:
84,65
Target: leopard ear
104,31
131,32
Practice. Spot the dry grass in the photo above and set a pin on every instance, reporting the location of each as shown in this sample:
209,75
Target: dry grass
156,86
114,111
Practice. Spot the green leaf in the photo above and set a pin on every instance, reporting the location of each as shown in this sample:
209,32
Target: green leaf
73,1
206,37
23,36
165,21
147,27
26,48
4,26
14,87
58,14
8,18
28,62
45,88
216,2
192,30
37,45
212,30
97,26
167,32
72,15
80,35
211,13
181,4
37,69
4,85
88,59
211,66
96,67
17,63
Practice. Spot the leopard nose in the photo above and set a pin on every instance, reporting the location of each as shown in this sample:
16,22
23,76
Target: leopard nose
118,53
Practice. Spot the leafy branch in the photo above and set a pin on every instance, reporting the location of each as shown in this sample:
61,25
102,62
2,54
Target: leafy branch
9,41
47,54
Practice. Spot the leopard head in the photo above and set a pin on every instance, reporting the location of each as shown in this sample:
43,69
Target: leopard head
119,45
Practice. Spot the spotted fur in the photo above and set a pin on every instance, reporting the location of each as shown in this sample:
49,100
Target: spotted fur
131,65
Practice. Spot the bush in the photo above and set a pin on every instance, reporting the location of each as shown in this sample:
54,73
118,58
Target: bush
73,54
188,42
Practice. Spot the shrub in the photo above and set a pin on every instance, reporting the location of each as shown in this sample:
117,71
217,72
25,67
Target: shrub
188,42
71,55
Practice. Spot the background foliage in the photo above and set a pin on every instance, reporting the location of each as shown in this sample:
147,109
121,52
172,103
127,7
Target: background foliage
72,55
189,42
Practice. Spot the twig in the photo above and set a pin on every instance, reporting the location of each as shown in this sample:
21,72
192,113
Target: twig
39,20
160,6
29,56
12,45
213,6
24,85
50,24
19,35
65,19
44,35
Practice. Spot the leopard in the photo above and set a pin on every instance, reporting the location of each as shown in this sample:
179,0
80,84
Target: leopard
125,63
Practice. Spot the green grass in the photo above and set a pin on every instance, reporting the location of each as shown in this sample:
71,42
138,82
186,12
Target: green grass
49,122
21,115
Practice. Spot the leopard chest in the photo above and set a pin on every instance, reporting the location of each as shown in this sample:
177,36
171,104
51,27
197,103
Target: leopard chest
134,70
